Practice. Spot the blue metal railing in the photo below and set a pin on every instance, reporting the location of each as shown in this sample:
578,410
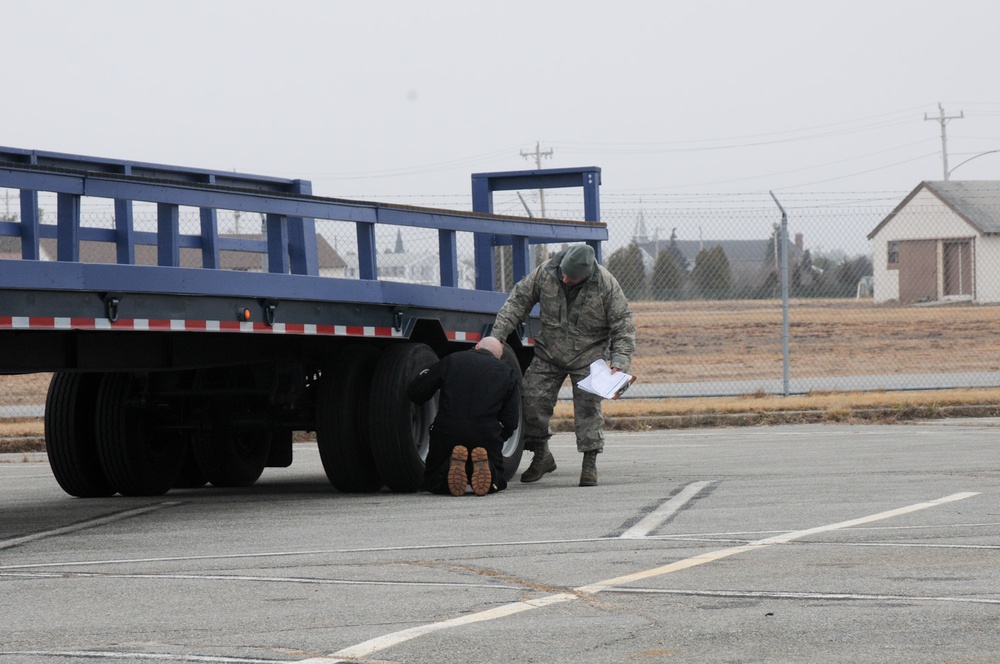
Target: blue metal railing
289,210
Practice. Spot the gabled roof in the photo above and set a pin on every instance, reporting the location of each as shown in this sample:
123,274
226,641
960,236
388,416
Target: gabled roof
977,202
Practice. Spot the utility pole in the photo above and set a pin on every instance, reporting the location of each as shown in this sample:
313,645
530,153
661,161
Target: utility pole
943,119
538,154
542,250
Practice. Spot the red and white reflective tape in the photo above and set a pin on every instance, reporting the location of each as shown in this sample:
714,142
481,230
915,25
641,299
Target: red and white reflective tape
177,325
463,336
174,325
473,337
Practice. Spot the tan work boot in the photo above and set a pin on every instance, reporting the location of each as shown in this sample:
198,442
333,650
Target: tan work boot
588,475
481,478
458,479
540,464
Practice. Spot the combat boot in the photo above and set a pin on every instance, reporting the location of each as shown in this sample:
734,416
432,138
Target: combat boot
588,475
481,478
541,463
458,477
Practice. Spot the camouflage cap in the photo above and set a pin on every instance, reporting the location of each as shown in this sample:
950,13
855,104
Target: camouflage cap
578,262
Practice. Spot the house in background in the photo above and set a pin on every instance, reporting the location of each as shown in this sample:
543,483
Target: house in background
414,267
941,243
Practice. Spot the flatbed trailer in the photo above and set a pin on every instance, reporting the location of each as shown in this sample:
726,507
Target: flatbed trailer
179,373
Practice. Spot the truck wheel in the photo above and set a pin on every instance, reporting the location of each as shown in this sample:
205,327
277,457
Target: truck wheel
70,441
399,428
232,458
342,421
138,455
513,448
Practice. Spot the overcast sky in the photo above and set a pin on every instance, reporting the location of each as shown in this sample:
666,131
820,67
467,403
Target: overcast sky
397,99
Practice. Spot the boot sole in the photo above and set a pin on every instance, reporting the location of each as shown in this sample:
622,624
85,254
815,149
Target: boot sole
457,478
482,478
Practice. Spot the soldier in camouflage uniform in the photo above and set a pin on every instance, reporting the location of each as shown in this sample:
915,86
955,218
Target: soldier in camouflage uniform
584,316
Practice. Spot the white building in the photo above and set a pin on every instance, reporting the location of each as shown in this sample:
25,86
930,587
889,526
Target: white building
422,267
941,243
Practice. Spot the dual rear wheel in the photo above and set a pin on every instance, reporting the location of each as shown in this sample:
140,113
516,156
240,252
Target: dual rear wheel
99,444
103,437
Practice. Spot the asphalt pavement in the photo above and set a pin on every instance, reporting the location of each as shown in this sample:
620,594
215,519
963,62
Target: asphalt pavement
800,543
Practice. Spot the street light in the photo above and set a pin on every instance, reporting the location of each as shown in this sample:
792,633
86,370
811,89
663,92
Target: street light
981,154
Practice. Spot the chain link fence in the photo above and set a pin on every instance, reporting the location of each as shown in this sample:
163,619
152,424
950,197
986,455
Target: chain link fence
895,294
871,292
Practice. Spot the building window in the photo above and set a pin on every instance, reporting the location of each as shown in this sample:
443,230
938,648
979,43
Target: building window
893,253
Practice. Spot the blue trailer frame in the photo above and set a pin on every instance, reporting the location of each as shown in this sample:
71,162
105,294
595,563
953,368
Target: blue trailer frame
291,211
153,360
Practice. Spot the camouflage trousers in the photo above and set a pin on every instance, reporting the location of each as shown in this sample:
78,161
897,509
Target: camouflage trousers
539,393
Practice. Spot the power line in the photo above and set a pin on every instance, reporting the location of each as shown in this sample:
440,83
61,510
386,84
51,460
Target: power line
873,122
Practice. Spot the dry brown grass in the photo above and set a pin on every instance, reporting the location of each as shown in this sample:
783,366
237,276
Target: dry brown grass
21,427
24,389
22,435
830,402
733,340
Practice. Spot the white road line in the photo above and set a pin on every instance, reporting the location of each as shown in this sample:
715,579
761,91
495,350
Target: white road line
887,545
83,525
810,596
377,644
746,534
657,517
383,642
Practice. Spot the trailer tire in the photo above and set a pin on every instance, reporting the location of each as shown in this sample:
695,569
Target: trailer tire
342,421
70,440
400,429
513,447
138,455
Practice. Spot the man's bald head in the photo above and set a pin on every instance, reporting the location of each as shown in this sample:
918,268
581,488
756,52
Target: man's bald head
492,344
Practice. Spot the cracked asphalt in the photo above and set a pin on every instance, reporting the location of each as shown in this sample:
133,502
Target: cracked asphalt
798,543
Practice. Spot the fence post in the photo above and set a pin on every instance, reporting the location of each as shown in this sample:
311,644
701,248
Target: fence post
784,296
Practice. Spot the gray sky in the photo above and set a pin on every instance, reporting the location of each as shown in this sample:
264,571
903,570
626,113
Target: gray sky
403,99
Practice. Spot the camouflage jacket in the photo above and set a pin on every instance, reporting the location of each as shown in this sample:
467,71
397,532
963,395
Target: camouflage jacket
599,323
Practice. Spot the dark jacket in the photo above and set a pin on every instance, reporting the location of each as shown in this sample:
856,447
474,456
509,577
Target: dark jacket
478,405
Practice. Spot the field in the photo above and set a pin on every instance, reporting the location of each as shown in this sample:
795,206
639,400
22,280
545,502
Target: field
741,340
